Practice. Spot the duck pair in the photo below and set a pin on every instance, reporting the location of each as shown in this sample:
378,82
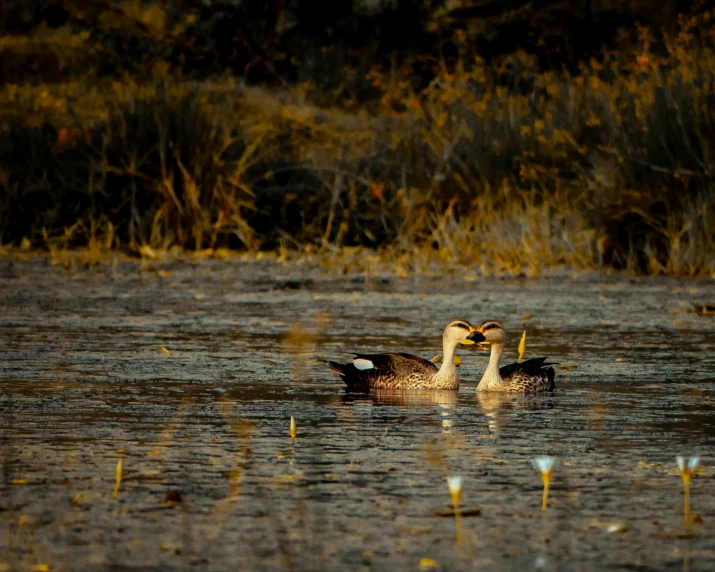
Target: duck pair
407,371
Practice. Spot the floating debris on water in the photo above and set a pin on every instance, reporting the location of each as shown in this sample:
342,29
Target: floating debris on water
704,309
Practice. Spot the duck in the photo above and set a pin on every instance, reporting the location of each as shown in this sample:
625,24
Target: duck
407,371
530,376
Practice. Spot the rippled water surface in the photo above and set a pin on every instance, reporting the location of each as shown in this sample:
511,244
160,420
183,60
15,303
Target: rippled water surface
190,377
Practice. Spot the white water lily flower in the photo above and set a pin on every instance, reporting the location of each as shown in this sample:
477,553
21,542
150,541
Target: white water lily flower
691,466
454,484
543,464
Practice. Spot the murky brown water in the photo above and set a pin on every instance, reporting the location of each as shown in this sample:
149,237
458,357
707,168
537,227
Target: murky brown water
83,385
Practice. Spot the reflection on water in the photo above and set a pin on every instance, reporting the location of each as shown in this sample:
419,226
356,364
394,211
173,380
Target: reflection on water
212,477
498,408
401,397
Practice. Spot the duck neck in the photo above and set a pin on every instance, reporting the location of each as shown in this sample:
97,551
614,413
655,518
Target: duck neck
448,371
492,380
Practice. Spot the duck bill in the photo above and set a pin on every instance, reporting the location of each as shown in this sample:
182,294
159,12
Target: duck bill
478,338
473,338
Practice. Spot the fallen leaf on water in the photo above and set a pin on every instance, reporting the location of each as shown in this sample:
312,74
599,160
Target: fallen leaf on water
465,512
164,273
199,296
679,535
617,527
526,317
20,481
41,568
415,530
172,496
163,350
438,359
704,309
428,564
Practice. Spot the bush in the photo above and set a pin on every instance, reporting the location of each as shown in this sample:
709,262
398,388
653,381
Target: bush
505,166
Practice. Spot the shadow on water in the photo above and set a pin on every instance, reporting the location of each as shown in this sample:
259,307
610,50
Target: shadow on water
191,381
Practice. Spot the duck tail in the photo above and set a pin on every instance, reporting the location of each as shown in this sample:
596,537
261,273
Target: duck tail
550,374
339,368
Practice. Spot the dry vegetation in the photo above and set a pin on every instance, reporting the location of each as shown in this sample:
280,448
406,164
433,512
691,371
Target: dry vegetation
502,166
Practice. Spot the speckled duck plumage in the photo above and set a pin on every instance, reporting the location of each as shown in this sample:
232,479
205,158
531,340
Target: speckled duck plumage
407,371
530,376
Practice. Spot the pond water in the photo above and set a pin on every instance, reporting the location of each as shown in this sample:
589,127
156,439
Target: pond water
190,376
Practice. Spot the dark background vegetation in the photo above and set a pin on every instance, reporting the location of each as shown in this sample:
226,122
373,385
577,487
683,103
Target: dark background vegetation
511,134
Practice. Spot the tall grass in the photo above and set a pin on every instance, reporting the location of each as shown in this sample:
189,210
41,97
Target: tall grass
503,166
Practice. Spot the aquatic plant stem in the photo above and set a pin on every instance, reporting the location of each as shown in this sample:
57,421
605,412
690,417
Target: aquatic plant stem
686,503
458,524
454,484
546,478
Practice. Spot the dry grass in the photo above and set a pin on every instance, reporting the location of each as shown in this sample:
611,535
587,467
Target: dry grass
504,167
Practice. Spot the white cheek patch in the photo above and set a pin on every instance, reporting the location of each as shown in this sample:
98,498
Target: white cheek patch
361,363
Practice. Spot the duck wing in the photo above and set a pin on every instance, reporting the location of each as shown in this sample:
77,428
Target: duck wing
535,374
381,370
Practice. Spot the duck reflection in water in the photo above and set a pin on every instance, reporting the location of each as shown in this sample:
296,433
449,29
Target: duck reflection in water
498,408
445,400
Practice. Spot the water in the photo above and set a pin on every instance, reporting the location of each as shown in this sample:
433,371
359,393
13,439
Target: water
85,383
